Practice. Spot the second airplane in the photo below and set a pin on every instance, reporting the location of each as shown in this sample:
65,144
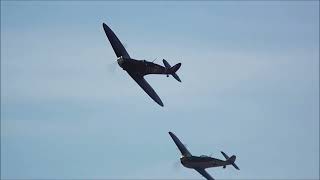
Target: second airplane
200,163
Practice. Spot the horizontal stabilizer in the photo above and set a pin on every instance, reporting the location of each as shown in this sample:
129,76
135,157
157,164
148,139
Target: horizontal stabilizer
235,166
172,70
230,160
175,68
225,155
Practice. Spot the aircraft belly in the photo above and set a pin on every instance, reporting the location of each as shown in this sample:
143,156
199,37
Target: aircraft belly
199,164
142,67
135,67
145,86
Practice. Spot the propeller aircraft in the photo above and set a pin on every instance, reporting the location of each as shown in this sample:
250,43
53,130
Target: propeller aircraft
137,69
200,163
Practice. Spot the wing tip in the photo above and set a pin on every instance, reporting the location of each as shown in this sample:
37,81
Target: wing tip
173,136
158,100
104,25
161,104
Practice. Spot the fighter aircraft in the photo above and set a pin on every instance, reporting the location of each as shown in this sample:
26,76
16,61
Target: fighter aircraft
137,69
200,163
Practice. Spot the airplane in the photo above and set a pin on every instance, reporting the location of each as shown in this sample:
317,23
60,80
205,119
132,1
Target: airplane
137,69
200,163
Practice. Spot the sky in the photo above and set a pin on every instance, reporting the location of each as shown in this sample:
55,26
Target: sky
250,87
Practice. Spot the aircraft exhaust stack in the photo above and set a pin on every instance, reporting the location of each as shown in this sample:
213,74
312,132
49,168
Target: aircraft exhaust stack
173,69
230,160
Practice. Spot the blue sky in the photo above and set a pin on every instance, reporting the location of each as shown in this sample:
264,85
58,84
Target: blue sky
250,87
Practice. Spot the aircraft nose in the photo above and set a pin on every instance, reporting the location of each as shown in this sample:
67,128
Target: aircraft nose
120,61
183,161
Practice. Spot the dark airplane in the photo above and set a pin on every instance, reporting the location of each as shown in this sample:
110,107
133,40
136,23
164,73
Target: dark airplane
139,68
200,163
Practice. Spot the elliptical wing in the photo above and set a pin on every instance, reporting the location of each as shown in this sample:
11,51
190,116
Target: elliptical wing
184,151
115,43
146,87
204,173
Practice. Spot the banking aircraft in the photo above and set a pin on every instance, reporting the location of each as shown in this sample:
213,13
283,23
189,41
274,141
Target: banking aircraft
200,163
137,69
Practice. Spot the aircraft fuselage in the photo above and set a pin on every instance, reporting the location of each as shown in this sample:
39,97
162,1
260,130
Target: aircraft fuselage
202,162
141,67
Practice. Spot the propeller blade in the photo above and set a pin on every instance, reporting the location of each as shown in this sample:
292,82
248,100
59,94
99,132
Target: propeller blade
112,67
176,166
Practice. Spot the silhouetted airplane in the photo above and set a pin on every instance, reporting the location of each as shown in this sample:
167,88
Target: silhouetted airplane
200,163
139,68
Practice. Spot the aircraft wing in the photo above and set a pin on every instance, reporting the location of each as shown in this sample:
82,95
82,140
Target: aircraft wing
115,43
204,173
146,87
184,151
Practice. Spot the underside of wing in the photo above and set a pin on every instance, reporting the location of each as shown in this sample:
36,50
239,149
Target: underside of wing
146,87
184,151
204,173
115,42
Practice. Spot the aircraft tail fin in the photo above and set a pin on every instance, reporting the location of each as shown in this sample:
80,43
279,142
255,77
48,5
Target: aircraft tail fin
230,160
172,70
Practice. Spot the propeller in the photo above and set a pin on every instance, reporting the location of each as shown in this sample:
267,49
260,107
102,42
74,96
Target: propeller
112,67
176,165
